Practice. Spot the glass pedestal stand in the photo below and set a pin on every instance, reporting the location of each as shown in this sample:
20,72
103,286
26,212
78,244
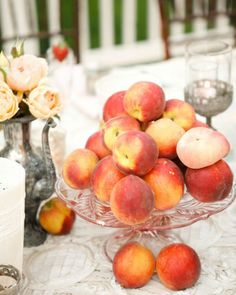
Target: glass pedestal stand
155,232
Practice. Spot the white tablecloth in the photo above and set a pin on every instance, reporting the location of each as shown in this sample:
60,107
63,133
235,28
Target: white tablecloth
213,239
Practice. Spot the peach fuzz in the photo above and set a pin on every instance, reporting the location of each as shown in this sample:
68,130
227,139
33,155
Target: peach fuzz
116,126
133,265
167,182
135,152
132,200
96,144
178,266
104,177
166,133
144,101
211,183
200,147
55,217
181,112
78,167
113,106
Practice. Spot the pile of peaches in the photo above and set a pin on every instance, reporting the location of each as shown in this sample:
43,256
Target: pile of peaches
146,153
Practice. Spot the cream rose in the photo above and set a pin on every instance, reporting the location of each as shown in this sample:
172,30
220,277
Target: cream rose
44,102
25,72
8,102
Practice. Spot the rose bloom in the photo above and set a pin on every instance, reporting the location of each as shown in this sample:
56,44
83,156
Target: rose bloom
44,102
25,72
8,102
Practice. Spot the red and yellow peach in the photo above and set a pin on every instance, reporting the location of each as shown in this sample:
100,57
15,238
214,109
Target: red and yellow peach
181,112
211,183
166,133
78,167
144,101
135,152
96,144
167,183
178,266
116,126
113,106
133,265
132,200
55,217
104,177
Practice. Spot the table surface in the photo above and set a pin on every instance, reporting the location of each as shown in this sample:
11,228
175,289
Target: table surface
76,264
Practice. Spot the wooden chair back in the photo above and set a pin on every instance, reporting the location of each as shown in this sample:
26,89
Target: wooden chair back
185,20
126,32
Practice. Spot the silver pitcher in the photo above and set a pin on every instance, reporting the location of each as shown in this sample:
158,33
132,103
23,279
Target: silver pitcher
39,168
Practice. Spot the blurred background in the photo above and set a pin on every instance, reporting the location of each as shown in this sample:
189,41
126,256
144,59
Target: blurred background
108,33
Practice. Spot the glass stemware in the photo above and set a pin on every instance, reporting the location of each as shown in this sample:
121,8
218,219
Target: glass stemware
208,77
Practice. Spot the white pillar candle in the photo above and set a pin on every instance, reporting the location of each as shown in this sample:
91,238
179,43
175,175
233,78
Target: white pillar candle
12,197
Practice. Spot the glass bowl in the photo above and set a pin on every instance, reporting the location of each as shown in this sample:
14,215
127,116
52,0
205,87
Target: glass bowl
188,211
155,232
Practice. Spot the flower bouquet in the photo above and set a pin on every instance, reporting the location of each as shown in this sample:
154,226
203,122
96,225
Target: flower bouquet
24,90
25,95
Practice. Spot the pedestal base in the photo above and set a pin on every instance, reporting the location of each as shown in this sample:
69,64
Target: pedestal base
153,239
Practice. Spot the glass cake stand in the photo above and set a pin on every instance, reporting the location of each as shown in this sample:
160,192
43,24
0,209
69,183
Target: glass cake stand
155,231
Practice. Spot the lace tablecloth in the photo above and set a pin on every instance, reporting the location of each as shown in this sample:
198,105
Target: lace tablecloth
76,264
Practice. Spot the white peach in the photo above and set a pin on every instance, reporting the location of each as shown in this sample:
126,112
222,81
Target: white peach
200,147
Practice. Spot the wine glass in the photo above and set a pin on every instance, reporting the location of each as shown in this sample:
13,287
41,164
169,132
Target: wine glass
208,77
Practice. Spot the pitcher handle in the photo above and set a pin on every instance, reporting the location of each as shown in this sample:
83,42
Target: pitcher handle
47,156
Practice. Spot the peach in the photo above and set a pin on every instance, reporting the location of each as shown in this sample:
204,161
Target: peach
78,167
178,266
133,265
166,133
96,144
55,217
200,147
181,112
114,106
132,200
104,177
144,101
116,126
211,183
167,183
135,152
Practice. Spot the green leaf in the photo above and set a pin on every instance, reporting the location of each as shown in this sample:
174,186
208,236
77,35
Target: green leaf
18,49
14,52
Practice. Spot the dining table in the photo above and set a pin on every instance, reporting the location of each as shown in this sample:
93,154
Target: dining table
76,263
